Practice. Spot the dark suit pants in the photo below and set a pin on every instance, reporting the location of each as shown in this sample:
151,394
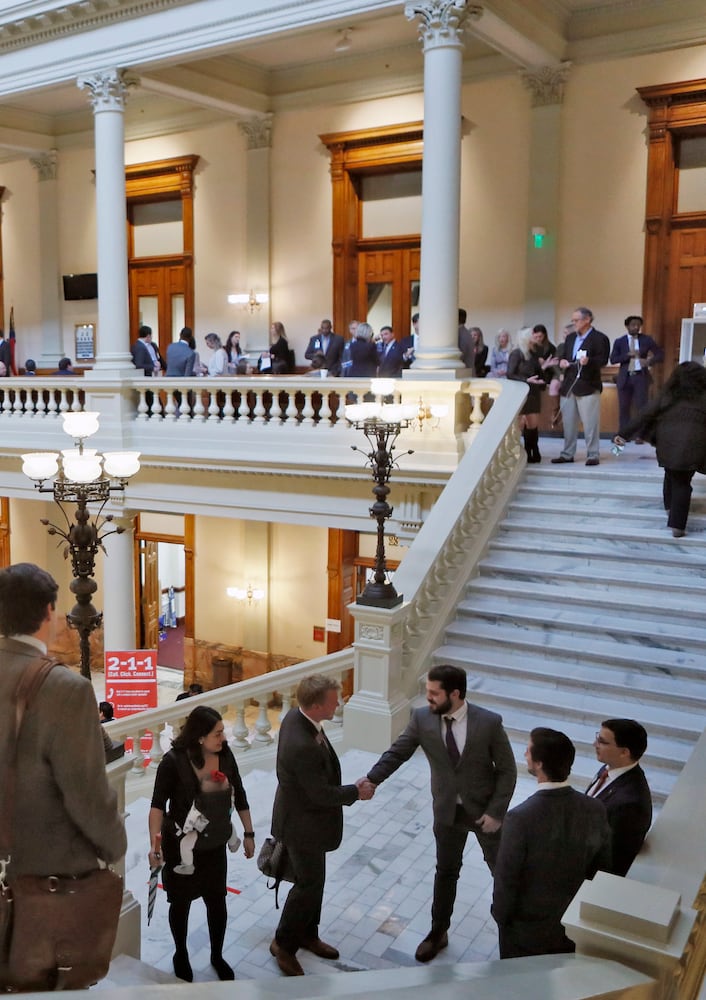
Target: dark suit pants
450,842
632,396
302,910
522,939
676,490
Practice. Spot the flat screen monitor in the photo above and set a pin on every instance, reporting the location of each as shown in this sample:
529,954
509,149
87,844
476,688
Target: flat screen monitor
80,286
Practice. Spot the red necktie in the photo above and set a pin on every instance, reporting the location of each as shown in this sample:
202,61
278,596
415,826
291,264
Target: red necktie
599,782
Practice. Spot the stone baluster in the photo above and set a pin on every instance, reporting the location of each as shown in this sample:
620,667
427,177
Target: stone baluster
228,408
213,408
199,411
170,408
286,703
259,411
325,409
240,739
142,408
156,753
138,758
476,412
291,412
244,408
308,409
262,726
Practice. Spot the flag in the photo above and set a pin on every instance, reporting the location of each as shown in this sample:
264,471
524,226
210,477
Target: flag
13,341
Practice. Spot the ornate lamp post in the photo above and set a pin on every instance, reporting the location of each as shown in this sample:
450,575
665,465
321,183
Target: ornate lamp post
381,425
82,476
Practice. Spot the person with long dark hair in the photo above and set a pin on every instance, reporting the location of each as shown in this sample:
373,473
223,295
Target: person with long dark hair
675,424
199,771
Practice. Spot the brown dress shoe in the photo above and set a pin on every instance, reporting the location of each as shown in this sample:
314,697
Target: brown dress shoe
318,947
286,960
431,946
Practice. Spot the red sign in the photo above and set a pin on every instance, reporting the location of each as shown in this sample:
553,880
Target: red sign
131,685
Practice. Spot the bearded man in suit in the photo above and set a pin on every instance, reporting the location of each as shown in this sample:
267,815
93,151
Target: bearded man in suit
551,843
308,817
622,787
636,353
473,774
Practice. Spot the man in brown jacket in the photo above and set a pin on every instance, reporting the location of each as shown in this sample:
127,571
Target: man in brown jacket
66,814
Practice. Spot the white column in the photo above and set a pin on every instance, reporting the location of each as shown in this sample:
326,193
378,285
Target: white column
441,25
52,344
107,92
258,131
119,586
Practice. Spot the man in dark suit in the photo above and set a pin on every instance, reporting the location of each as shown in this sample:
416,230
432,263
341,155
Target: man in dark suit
308,817
585,352
622,787
391,354
550,844
145,354
636,353
473,776
329,344
5,356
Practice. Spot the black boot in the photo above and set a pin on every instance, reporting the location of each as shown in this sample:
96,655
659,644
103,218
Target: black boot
527,440
532,445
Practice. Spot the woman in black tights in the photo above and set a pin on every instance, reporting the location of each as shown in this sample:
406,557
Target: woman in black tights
199,771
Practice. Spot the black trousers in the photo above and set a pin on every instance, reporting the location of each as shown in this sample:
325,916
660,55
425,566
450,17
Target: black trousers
301,914
676,490
632,395
450,842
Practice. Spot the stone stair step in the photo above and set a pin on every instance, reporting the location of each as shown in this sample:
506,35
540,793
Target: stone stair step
578,519
615,602
671,554
578,623
601,650
640,684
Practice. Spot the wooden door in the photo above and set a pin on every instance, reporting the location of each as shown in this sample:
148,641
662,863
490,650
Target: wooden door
158,299
687,274
150,596
387,280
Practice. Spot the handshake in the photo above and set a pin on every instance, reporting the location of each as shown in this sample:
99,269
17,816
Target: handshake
366,789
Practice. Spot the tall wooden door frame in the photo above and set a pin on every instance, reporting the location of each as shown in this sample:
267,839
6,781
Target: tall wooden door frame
354,155
676,111
187,540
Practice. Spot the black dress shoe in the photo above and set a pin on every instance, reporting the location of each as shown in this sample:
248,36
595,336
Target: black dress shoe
593,461
223,970
182,967
286,960
318,947
561,460
431,946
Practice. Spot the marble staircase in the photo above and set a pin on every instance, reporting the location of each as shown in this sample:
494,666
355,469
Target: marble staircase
585,607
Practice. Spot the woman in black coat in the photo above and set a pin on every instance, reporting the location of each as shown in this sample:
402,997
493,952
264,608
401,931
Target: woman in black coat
676,424
524,365
199,771
364,354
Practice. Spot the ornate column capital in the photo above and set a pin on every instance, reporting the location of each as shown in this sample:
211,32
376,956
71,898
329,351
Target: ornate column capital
258,131
46,165
441,22
107,91
546,84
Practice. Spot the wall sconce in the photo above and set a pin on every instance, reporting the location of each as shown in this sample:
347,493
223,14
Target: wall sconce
249,300
433,413
248,594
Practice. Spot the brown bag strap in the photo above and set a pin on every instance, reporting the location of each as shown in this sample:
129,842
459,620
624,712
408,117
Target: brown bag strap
32,678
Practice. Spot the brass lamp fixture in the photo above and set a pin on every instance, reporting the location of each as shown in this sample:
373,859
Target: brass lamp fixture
82,476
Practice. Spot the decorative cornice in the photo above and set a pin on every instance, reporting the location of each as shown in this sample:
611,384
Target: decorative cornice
258,131
441,22
546,84
46,165
107,91
72,18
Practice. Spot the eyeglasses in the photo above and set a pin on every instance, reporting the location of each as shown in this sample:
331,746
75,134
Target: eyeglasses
604,743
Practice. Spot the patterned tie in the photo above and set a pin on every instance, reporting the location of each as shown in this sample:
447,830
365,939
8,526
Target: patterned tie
600,781
454,755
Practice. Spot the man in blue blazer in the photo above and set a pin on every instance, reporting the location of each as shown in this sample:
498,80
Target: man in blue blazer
622,787
473,774
636,353
308,817
550,844
180,356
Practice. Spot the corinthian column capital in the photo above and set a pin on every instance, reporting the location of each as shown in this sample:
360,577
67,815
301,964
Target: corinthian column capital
258,131
107,91
546,84
441,22
46,165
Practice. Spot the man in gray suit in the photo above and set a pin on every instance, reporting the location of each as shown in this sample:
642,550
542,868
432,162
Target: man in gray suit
550,844
180,356
473,776
66,813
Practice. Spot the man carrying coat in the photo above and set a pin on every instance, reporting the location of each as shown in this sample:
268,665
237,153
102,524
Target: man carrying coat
473,774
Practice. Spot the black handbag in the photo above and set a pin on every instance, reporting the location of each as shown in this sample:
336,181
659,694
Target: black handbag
56,932
273,861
